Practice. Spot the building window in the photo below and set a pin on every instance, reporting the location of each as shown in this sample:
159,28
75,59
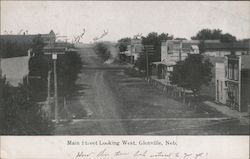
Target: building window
230,71
236,72
221,90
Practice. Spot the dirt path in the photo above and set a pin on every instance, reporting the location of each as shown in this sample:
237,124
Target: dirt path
106,106
97,100
118,104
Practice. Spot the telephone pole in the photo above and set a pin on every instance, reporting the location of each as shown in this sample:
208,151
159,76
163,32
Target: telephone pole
148,50
54,51
147,63
48,98
54,57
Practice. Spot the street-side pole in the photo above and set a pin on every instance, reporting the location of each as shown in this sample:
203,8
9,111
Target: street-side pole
147,63
54,58
48,98
55,94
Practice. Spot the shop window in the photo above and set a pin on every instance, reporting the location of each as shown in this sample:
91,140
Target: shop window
230,71
236,72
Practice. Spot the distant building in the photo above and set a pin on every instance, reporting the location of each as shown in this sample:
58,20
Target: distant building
237,75
18,45
178,50
15,55
223,49
133,50
173,51
49,38
136,49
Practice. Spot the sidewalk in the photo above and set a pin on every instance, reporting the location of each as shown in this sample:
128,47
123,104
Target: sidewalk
163,85
243,117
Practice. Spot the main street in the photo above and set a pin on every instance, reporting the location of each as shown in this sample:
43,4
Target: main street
110,102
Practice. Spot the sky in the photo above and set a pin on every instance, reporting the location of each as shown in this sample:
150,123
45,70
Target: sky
182,19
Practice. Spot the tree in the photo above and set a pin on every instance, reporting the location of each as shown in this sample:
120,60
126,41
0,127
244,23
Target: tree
153,39
123,43
22,116
192,73
101,49
37,45
38,68
215,34
141,63
69,66
228,38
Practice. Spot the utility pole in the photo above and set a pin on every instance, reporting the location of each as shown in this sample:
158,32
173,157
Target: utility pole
149,50
48,98
54,57
180,51
0,67
54,51
1,93
147,63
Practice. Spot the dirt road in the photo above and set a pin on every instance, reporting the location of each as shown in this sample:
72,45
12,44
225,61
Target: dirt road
98,100
110,102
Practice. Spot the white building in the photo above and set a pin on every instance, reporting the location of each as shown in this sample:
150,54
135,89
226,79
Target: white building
178,50
133,50
173,51
220,91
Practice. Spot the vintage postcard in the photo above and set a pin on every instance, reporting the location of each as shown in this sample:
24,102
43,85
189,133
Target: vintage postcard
124,79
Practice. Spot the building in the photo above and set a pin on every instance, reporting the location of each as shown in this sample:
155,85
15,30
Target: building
18,45
173,51
237,75
133,50
220,86
49,38
136,49
178,50
15,55
223,49
210,89
216,53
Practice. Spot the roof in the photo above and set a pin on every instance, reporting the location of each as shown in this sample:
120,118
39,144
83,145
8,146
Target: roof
58,45
15,45
191,41
54,48
227,46
189,46
18,38
214,60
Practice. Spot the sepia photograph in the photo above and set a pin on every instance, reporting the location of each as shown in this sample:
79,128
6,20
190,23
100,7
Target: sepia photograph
124,68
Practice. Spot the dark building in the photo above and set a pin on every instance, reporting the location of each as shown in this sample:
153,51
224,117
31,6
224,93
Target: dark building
18,45
237,74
